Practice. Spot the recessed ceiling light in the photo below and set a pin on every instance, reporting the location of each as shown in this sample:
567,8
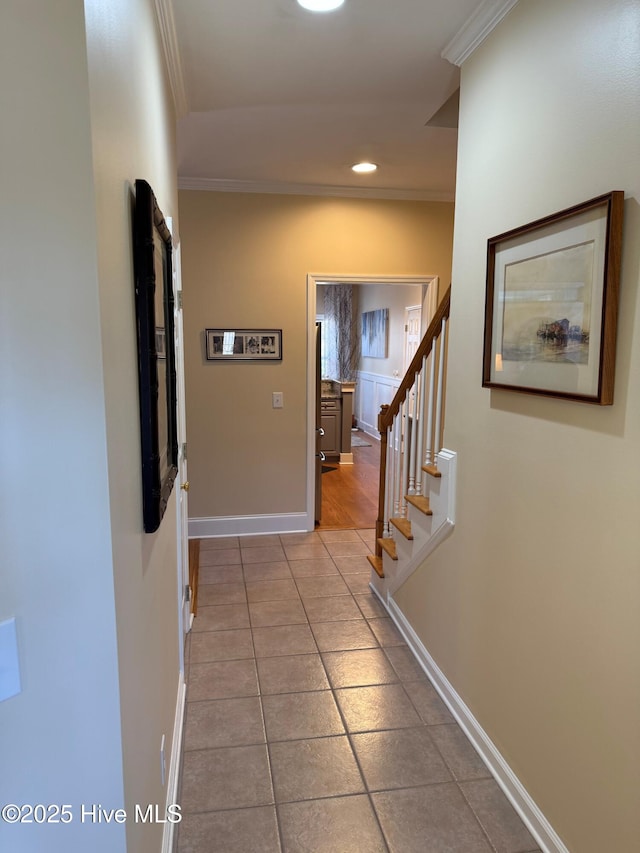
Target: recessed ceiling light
320,5
363,168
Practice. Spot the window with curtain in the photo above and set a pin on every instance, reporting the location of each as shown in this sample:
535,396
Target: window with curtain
340,334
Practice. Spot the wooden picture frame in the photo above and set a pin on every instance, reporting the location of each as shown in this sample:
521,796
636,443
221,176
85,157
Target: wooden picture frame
243,344
552,303
152,252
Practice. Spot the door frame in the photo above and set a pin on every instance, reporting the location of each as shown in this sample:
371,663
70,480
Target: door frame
185,617
430,304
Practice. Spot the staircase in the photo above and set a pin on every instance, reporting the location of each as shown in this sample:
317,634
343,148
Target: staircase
416,507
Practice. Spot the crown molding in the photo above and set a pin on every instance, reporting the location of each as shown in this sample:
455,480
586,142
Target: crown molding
224,185
482,22
167,27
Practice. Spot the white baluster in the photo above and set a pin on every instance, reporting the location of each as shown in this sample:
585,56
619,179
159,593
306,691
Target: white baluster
437,426
388,484
421,418
398,479
429,425
414,435
406,450
392,472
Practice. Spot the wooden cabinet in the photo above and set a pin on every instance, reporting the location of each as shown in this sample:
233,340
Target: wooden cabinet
331,423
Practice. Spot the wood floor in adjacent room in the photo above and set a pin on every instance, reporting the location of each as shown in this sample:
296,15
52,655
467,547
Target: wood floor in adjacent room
350,492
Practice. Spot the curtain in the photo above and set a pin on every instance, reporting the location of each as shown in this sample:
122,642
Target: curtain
340,333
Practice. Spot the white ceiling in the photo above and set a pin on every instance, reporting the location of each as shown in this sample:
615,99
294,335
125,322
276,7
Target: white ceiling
276,97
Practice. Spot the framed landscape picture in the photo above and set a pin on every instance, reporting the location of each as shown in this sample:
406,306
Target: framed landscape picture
552,303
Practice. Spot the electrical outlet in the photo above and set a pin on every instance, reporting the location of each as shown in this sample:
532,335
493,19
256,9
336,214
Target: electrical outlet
277,400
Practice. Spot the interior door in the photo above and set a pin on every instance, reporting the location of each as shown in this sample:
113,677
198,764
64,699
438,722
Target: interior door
412,322
319,431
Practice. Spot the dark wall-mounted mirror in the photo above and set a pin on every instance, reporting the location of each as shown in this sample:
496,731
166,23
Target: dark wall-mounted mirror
156,355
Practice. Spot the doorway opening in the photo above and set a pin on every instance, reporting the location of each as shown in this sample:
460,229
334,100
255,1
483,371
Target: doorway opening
350,487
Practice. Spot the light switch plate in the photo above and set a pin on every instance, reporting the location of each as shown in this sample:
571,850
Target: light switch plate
278,400
9,663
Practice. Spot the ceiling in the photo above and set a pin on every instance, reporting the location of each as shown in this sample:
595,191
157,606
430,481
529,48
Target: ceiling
276,98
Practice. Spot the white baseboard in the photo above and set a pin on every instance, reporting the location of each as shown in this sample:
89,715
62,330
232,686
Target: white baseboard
520,799
173,778
249,525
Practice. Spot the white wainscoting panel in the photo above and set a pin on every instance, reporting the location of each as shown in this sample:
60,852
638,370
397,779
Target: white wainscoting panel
372,391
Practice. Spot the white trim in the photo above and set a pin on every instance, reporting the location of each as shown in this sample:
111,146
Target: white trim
313,279
249,525
444,516
481,23
378,380
167,27
174,766
229,185
514,790
430,303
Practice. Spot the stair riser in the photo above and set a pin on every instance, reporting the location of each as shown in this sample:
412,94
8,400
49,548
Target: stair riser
427,531
404,547
380,584
421,525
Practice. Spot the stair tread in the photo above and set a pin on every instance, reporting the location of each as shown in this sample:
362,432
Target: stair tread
376,562
389,546
421,503
403,525
432,469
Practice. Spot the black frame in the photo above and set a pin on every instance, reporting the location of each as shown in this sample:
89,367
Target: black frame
240,337
152,252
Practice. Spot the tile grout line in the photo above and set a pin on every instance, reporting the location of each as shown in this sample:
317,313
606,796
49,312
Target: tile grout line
357,760
264,721
340,712
350,736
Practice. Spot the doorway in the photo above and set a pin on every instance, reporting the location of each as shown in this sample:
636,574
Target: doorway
350,492
368,489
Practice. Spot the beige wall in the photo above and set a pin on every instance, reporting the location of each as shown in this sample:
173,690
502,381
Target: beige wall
133,134
245,264
396,298
60,738
531,607
95,599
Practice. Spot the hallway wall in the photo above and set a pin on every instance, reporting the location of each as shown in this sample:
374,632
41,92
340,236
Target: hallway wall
86,112
245,262
133,136
531,607
60,738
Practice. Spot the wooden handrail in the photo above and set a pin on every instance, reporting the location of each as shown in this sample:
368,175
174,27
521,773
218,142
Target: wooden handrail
386,418
389,412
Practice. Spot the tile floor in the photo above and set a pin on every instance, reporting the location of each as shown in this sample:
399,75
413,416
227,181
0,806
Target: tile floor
310,727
